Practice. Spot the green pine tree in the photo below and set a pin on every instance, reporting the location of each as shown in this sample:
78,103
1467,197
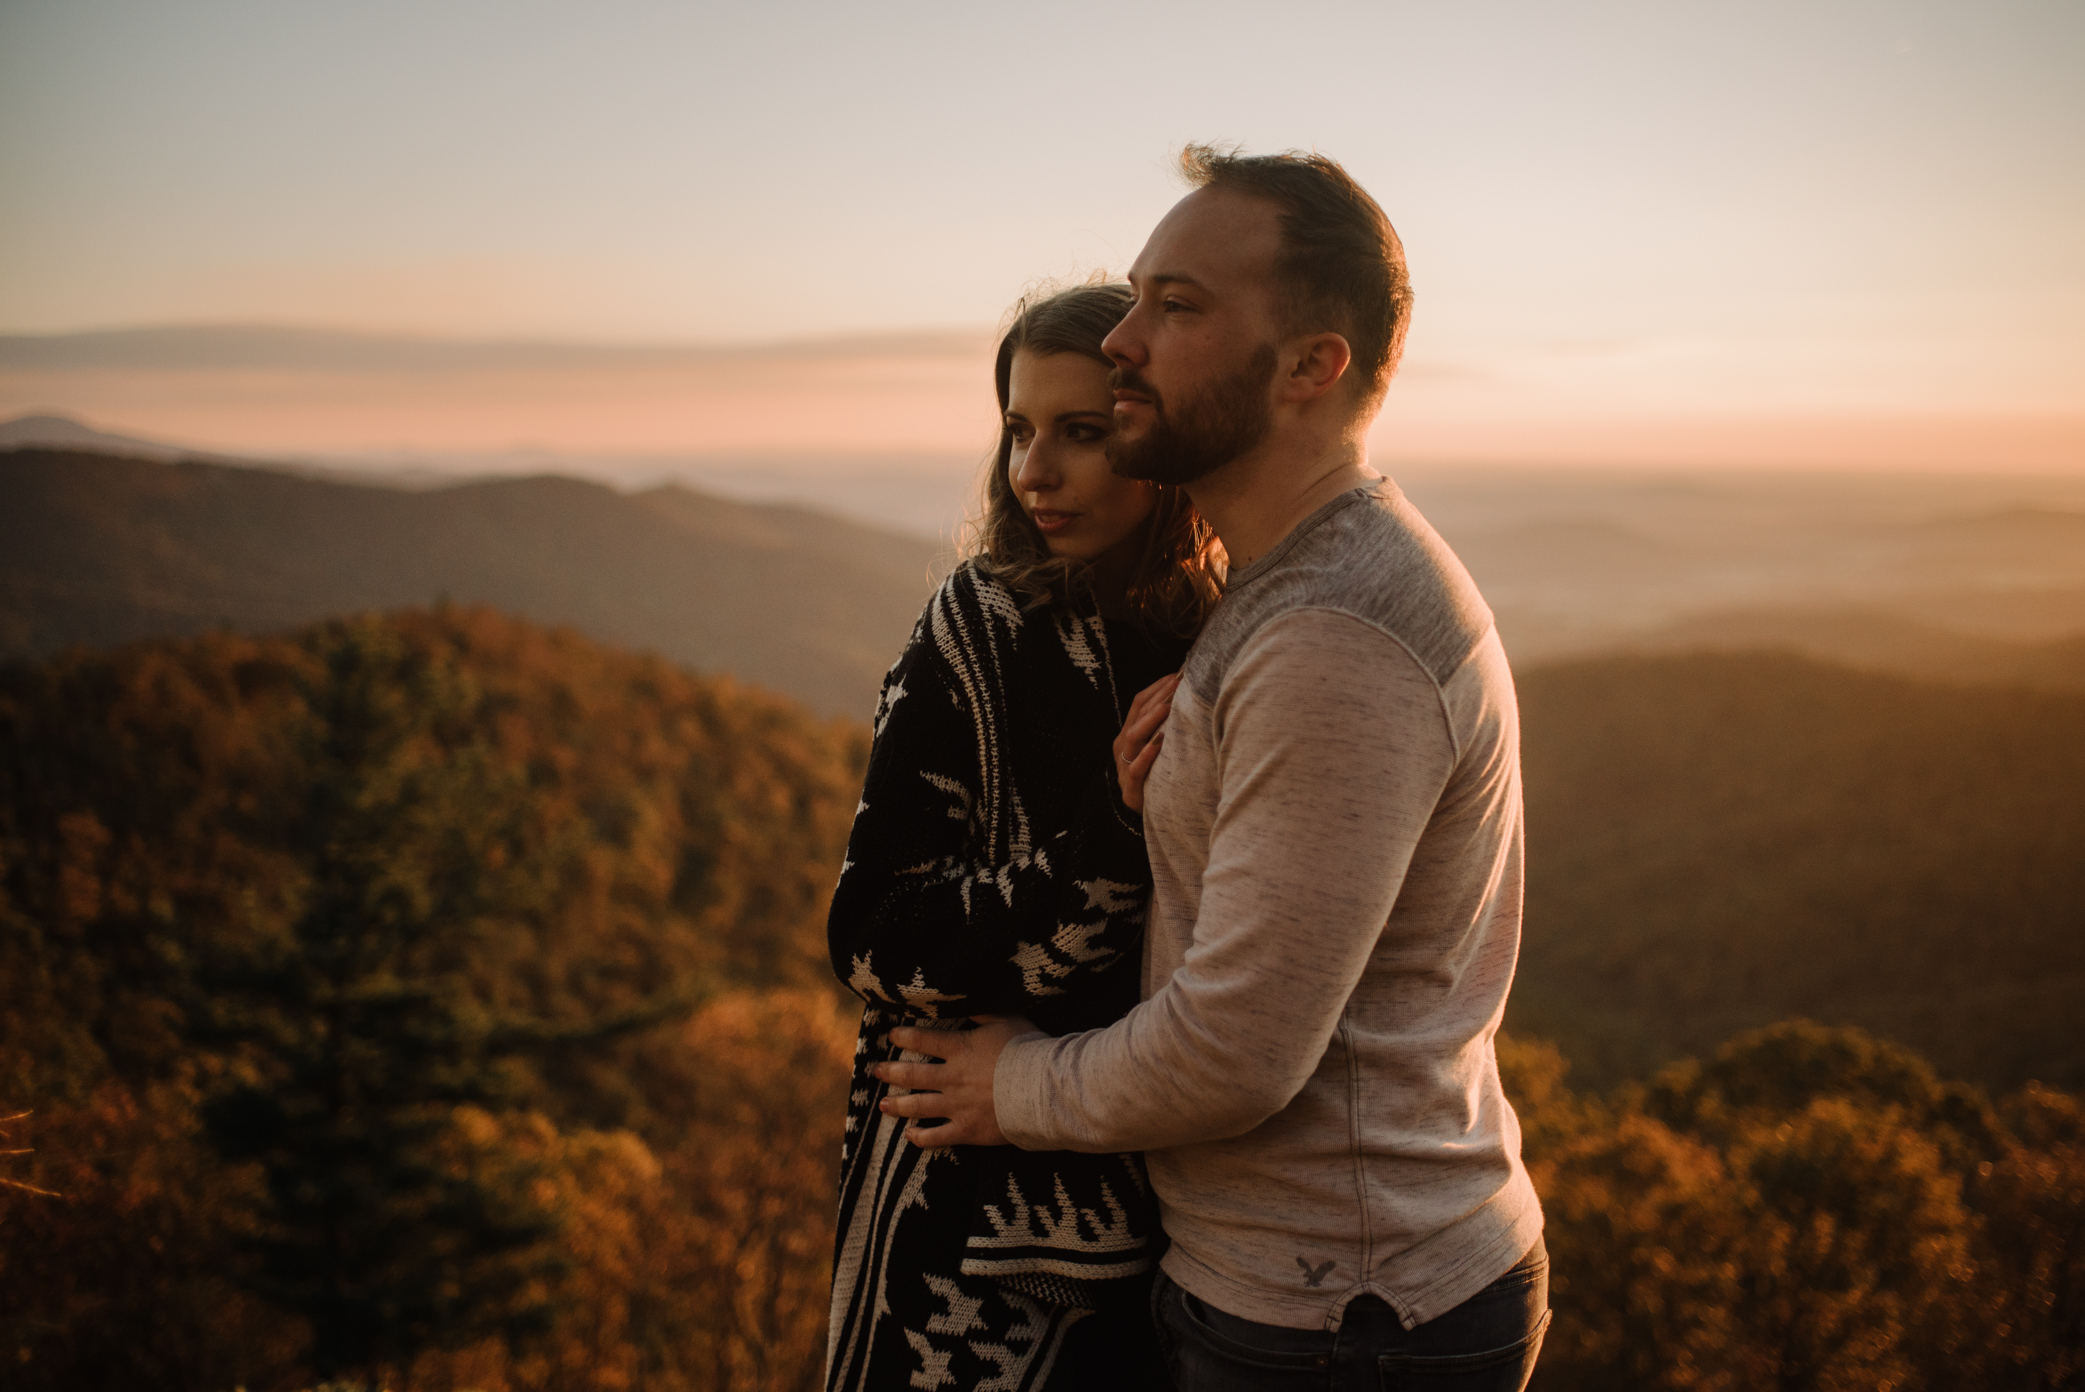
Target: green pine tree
356,1034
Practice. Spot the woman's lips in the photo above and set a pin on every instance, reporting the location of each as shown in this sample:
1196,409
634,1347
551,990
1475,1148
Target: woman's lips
1051,521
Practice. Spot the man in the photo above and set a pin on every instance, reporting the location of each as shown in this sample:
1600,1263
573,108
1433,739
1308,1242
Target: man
1335,836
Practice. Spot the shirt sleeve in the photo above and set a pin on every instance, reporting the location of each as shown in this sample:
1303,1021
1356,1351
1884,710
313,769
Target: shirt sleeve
928,915
1333,747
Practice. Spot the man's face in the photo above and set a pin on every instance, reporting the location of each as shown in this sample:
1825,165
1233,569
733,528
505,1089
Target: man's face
1196,355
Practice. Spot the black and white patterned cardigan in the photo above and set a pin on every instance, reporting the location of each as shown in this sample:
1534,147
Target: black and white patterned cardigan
993,869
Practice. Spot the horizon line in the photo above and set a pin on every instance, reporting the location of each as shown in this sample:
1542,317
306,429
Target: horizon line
527,339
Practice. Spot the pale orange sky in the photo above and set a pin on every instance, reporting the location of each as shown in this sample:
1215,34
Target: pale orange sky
1640,231
938,407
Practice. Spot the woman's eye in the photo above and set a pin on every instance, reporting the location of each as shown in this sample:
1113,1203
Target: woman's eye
1085,434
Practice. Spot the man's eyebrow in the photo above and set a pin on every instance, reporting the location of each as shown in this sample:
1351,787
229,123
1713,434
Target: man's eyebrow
1173,278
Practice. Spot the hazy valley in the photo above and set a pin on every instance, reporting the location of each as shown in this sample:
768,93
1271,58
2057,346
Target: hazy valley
1696,820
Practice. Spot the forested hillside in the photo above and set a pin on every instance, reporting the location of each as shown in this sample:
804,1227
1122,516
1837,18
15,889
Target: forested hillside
1716,842
97,549
554,914
440,1000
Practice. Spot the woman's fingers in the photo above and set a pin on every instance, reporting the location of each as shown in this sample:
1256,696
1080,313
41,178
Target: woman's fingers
1154,712
1140,723
1159,692
1163,684
1140,730
1136,748
1136,771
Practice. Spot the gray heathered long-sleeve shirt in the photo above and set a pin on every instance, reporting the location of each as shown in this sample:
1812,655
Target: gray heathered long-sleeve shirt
1335,837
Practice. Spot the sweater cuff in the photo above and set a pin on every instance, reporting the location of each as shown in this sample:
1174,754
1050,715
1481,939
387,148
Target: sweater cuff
1019,1091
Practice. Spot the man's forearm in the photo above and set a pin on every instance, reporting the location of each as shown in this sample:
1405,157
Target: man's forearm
1338,749
1141,1084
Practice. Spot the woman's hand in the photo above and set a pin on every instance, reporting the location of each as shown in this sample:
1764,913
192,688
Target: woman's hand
1136,748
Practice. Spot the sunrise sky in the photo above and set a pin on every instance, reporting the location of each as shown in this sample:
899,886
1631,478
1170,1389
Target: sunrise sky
1783,232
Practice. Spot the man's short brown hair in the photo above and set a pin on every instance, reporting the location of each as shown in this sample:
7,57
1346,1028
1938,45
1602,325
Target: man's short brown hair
1341,263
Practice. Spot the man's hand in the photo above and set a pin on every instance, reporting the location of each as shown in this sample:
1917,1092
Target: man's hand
959,1089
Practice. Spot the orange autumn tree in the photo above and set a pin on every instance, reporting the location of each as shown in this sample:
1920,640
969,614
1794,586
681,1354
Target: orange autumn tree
1810,1208
650,829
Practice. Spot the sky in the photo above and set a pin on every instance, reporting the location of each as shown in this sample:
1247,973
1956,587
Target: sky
1834,231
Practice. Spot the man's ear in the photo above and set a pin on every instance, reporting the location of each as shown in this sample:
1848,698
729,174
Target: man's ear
1318,363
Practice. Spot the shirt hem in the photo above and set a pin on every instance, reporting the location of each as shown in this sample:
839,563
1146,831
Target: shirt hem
1514,1211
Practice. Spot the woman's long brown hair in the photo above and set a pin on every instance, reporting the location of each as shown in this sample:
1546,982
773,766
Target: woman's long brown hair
1179,574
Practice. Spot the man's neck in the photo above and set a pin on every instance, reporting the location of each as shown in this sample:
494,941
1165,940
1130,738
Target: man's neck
1257,499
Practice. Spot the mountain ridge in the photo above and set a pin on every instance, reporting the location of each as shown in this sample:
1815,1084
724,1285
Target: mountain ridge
1998,600
205,347
99,549
55,430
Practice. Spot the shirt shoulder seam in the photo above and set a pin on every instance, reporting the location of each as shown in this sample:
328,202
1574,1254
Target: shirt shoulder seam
1440,693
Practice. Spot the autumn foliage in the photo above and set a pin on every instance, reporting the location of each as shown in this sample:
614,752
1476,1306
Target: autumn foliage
464,968
530,969
1811,1208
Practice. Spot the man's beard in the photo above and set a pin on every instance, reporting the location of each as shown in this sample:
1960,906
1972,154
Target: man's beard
1210,429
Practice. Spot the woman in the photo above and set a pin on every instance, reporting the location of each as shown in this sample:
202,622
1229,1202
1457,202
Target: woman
997,866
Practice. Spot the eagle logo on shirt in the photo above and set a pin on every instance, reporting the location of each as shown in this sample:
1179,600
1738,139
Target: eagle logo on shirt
1313,1276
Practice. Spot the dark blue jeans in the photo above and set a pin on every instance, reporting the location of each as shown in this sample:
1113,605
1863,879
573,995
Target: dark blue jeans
1486,1344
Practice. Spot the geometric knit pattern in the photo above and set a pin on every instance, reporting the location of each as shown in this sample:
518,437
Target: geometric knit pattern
992,869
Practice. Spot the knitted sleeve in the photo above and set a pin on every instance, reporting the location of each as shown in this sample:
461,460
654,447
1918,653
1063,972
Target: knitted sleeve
948,904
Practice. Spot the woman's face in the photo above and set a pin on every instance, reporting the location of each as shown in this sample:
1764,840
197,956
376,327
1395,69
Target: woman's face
1059,411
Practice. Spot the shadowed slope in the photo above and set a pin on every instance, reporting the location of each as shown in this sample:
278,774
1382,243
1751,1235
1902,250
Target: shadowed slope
98,550
1717,842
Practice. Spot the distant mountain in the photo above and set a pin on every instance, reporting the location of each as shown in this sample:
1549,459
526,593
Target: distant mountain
247,347
1876,639
2030,541
1576,551
1980,595
63,432
1957,583
97,549
1716,842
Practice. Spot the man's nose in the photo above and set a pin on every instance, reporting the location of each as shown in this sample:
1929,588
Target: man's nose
1124,343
